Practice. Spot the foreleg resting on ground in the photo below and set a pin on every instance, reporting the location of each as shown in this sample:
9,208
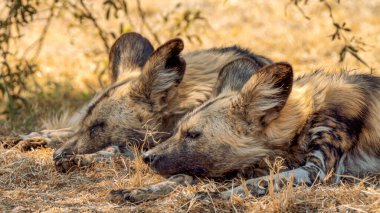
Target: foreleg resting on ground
50,138
45,138
329,140
150,192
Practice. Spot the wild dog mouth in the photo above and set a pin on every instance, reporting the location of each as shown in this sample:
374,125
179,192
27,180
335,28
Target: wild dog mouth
164,168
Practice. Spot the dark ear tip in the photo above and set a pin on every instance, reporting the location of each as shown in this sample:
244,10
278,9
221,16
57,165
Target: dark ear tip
284,66
132,34
176,45
133,37
177,41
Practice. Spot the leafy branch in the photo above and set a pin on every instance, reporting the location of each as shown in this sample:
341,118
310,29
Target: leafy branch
13,76
182,22
351,44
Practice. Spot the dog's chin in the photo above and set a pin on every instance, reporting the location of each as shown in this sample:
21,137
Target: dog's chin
198,171
165,174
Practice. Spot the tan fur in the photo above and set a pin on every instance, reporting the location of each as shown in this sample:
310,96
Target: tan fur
199,79
319,123
153,97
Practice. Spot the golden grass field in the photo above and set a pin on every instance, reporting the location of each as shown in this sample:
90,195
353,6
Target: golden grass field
69,62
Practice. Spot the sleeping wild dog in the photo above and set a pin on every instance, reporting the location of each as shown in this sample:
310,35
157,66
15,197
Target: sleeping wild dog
151,87
320,124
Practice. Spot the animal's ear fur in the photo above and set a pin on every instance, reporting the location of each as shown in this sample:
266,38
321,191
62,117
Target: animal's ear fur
265,94
162,74
130,51
234,75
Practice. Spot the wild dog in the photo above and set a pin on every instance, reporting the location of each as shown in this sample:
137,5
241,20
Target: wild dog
152,87
320,124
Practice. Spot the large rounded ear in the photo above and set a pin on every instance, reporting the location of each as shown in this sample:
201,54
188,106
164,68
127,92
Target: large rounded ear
265,94
129,52
234,75
161,75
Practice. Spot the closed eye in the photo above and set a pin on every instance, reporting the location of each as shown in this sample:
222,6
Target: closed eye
193,134
95,129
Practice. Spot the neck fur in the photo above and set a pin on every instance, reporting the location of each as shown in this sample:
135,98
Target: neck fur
292,119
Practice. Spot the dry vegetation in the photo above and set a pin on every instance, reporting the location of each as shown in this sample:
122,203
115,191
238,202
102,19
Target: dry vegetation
70,59
29,182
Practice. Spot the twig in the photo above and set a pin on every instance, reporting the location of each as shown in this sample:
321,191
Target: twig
142,16
96,25
40,40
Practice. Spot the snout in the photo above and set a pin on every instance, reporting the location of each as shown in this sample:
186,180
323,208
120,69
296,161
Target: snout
149,157
66,150
64,159
61,153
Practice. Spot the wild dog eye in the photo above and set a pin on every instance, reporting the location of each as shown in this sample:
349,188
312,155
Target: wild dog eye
193,134
96,128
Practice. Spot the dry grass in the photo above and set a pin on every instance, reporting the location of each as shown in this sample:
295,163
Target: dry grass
29,182
69,61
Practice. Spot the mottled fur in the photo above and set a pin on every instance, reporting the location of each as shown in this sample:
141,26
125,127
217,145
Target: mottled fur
153,88
319,123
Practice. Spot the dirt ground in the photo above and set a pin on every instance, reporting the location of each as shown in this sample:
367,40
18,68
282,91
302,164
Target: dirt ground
29,181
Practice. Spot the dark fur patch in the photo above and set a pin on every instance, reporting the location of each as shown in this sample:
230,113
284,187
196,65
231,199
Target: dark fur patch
313,171
259,59
316,161
129,51
235,74
341,136
367,82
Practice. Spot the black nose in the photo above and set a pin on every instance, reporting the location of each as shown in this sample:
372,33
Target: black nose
59,154
149,158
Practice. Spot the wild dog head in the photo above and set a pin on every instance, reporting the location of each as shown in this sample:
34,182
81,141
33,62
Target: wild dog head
145,80
229,132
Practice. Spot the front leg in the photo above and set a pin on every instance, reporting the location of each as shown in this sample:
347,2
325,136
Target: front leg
23,144
50,133
51,138
150,192
260,186
330,137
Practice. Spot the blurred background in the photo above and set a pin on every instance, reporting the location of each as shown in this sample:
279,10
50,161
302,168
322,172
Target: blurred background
54,53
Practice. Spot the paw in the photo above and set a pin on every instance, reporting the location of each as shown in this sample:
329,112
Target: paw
66,164
150,192
134,195
116,196
70,162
